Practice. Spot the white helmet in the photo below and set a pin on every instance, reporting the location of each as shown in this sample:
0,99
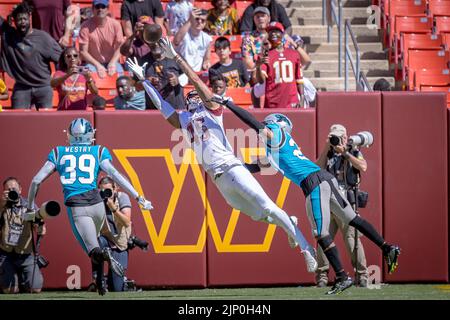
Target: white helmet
80,132
281,120
193,101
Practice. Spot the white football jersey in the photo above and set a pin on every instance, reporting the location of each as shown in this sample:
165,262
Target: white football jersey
204,129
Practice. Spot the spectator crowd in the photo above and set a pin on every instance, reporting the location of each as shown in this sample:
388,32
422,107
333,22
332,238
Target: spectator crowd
72,49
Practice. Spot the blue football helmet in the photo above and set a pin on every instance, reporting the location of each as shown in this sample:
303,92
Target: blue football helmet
281,120
80,132
193,101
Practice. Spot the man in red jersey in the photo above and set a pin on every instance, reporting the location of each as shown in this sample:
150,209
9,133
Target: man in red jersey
280,68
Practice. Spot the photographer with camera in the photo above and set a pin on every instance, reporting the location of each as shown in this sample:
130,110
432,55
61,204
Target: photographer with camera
345,162
19,269
116,232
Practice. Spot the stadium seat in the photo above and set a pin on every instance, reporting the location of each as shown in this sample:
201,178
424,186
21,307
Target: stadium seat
203,5
442,24
241,96
417,41
431,77
106,83
439,7
114,9
10,2
235,41
6,9
425,59
407,24
445,89
241,6
446,40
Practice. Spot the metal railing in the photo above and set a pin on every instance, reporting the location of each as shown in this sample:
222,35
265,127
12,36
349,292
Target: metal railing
356,65
363,84
332,13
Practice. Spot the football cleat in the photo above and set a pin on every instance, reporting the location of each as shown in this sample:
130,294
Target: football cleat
311,263
341,285
292,242
391,258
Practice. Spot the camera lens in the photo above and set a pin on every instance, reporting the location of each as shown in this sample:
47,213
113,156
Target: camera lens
13,196
106,193
335,140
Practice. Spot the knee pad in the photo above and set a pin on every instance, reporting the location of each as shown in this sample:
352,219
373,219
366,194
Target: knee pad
96,255
326,242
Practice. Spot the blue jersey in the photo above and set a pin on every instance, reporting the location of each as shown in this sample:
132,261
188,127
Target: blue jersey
78,167
285,155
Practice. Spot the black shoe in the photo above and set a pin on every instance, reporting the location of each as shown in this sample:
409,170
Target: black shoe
391,257
92,287
113,263
101,286
341,285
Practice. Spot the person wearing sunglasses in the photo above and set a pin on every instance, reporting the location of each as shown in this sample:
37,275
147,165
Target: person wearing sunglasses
192,43
72,81
100,41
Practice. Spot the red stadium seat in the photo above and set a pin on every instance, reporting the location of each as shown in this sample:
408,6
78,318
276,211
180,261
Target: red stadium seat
203,5
6,9
431,77
446,40
445,89
417,41
114,9
425,59
109,82
241,96
439,7
442,24
241,6
10,1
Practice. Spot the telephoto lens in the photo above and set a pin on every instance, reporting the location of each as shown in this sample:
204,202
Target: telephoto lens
335,140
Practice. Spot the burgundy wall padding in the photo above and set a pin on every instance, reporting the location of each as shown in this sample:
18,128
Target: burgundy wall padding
27,138
415,183
279,264
185,266
357,112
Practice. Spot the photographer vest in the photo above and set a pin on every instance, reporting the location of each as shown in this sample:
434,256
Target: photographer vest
15,233
113,229
342,169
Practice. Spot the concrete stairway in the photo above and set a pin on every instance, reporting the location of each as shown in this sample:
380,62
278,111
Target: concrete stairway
306,18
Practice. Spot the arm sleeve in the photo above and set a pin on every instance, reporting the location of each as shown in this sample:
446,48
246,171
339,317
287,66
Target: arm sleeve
162,105
245,116
107,166
252,167
43,174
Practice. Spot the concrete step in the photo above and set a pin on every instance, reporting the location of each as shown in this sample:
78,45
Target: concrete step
323,56
338,84
318,3
333,47
317,12
311,73
332,65
334,39
319,30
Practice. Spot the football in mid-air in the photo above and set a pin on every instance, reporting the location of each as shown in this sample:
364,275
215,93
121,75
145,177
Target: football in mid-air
152,33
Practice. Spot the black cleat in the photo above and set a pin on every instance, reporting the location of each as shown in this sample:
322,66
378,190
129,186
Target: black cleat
341,285
113,263
101,286
391,257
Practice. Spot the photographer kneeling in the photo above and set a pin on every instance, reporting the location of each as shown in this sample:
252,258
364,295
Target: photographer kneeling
116,231
19,270
344,161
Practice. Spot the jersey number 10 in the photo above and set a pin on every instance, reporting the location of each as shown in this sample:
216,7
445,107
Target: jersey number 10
284,71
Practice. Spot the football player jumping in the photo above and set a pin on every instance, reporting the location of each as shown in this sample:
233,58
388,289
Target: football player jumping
78,165
203,124
319,187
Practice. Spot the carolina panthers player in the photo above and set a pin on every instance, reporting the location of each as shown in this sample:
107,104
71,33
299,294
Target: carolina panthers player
203,125
319,187
78,165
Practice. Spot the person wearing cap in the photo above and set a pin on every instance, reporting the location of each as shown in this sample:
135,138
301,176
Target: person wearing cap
100,40
342,164
276,13
135,46
280,68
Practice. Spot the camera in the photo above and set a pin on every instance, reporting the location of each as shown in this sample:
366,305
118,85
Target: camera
82,69
129,285
13,196
106,193
42,262
361,139
48,209
335,140
135,241
203,12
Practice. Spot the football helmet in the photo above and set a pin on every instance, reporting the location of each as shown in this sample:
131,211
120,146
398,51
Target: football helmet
193,101
281,120
80,132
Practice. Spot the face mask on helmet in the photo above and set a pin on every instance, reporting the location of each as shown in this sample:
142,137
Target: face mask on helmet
279,119
193,101
80,132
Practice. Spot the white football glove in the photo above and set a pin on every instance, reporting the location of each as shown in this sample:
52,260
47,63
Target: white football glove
219,99
167,48
139,71
146,205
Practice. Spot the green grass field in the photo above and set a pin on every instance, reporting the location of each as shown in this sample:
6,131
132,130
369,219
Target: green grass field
386,292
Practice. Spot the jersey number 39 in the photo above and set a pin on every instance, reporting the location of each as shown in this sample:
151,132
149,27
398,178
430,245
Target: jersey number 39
86,164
